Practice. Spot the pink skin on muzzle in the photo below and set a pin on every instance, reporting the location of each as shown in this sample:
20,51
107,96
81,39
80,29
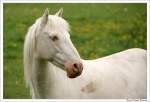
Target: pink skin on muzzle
73,69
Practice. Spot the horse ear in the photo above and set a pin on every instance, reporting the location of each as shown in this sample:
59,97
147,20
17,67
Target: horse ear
44,18
60,12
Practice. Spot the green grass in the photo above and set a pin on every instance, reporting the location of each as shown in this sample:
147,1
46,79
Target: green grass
97,30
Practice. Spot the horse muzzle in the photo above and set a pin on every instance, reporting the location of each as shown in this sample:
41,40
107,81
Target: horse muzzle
73,69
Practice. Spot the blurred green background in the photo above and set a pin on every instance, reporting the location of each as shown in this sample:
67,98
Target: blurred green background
97,30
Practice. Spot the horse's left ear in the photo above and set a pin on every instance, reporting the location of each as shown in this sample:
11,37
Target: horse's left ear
44,18
60,13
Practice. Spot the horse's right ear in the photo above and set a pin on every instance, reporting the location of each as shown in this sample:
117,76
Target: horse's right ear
44,18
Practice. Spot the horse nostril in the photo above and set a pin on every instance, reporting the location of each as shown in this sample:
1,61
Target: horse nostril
75,65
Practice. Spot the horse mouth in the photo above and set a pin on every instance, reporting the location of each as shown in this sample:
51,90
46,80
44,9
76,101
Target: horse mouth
73,75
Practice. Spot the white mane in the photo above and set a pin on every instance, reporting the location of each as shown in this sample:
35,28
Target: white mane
30,44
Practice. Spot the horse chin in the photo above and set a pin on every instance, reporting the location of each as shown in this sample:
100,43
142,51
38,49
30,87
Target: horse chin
72,76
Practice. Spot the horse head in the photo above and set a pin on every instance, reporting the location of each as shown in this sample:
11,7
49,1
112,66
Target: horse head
53,44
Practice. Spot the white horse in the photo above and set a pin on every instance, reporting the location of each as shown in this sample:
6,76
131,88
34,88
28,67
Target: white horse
49,54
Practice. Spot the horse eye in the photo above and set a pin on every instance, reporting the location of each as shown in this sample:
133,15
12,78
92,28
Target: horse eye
54,38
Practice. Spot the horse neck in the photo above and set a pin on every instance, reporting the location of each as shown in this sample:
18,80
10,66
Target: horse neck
45,77
39,75
34,68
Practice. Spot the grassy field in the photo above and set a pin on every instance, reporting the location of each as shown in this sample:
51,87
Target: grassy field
97,30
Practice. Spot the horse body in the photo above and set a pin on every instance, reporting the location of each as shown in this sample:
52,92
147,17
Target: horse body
121,75
113,76
48,55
